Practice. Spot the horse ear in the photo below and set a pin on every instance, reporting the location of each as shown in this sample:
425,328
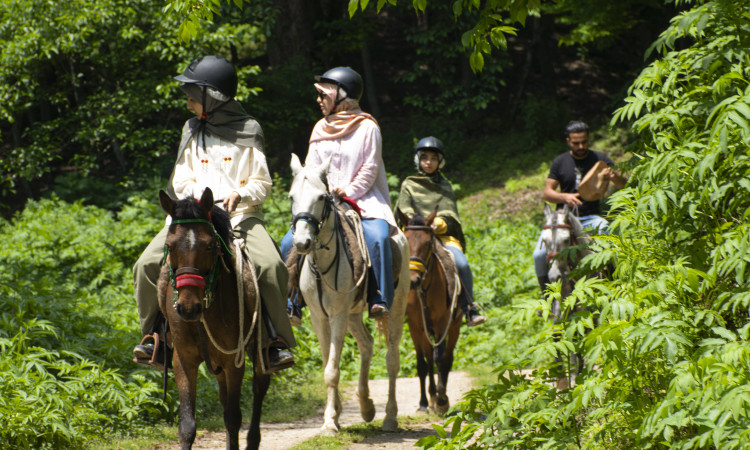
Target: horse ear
565,210
207,200
166,202
403,219
547,210
326,165
295,164
431,217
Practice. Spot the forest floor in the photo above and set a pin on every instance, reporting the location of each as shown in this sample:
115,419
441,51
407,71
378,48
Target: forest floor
289,434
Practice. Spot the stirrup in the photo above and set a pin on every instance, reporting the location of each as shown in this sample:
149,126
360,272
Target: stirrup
267,357
154,360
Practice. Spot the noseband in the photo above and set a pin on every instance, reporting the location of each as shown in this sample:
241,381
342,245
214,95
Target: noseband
311,219
190,276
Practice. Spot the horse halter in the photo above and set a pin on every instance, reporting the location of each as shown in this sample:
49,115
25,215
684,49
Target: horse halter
553,227
190,276
416,263
311,219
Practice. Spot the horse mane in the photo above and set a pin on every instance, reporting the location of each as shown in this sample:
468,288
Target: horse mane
188,208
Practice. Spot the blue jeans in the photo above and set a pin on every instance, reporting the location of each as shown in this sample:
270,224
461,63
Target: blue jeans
599,226
377,237
464,271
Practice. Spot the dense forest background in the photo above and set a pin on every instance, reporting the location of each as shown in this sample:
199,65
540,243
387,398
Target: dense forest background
89,123
89,108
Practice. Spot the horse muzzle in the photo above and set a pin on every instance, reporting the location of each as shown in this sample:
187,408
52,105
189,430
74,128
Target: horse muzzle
189,307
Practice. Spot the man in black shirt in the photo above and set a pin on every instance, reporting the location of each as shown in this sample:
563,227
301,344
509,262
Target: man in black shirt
566,173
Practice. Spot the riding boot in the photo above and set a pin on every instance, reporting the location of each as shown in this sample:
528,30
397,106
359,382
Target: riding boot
293,308
277,350
378,307
471,310
153,350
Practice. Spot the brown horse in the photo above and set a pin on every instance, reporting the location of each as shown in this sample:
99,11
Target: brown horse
208,293
432,310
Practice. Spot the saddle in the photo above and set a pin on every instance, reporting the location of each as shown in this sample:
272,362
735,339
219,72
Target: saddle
445,259
351,227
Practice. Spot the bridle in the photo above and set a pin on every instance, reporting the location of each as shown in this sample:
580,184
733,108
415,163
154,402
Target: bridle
311,219
423,266
552,253
191,276
416,263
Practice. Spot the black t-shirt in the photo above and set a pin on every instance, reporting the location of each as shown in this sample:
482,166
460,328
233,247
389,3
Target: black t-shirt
569,172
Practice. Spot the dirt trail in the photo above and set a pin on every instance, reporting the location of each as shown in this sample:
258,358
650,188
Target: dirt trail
286,435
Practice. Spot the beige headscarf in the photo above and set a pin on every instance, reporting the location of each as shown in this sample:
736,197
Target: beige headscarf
342,122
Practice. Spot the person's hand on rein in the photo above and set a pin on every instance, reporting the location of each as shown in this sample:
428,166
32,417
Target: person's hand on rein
339,192
231,202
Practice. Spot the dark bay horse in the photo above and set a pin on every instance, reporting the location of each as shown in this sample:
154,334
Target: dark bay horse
208,293
432,310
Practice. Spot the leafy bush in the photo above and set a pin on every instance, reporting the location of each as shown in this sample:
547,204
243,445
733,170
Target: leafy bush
68,313
666,340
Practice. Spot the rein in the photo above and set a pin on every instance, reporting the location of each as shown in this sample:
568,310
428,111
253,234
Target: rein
190,276
419,265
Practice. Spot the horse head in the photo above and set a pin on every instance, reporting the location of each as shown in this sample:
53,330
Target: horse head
312,203
192,250
419,234
557,235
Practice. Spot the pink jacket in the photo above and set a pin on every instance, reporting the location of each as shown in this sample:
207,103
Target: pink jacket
357,167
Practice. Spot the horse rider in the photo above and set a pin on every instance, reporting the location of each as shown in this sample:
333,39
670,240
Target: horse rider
222,149
565,174
420,194
351,138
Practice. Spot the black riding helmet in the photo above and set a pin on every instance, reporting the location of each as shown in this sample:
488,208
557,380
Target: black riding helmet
432,144
212,71
346,78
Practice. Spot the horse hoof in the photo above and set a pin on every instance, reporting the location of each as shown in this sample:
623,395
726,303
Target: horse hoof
422,410
368,410
329,430
442,409
390,425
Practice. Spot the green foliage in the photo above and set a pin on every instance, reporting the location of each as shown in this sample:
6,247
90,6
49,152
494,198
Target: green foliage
66,298
491,22
89,85
666,339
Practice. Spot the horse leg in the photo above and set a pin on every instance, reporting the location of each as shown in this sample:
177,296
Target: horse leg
260,388
364,344
444,365
332,374
185,378
230,388
393,361
422,370
432,389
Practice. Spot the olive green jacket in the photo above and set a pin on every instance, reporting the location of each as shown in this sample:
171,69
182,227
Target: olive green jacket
421,193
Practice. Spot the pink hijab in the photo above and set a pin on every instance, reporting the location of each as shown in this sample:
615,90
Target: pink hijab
340,123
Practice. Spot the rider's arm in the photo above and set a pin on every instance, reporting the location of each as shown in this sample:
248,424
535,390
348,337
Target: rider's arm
551,194
257,185
371,161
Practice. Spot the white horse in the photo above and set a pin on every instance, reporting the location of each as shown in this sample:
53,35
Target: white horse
336,299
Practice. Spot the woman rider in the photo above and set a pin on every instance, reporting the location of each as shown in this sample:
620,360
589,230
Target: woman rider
351,138
419,195
221,148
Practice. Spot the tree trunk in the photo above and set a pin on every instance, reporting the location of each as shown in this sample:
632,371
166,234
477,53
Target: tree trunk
293,36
